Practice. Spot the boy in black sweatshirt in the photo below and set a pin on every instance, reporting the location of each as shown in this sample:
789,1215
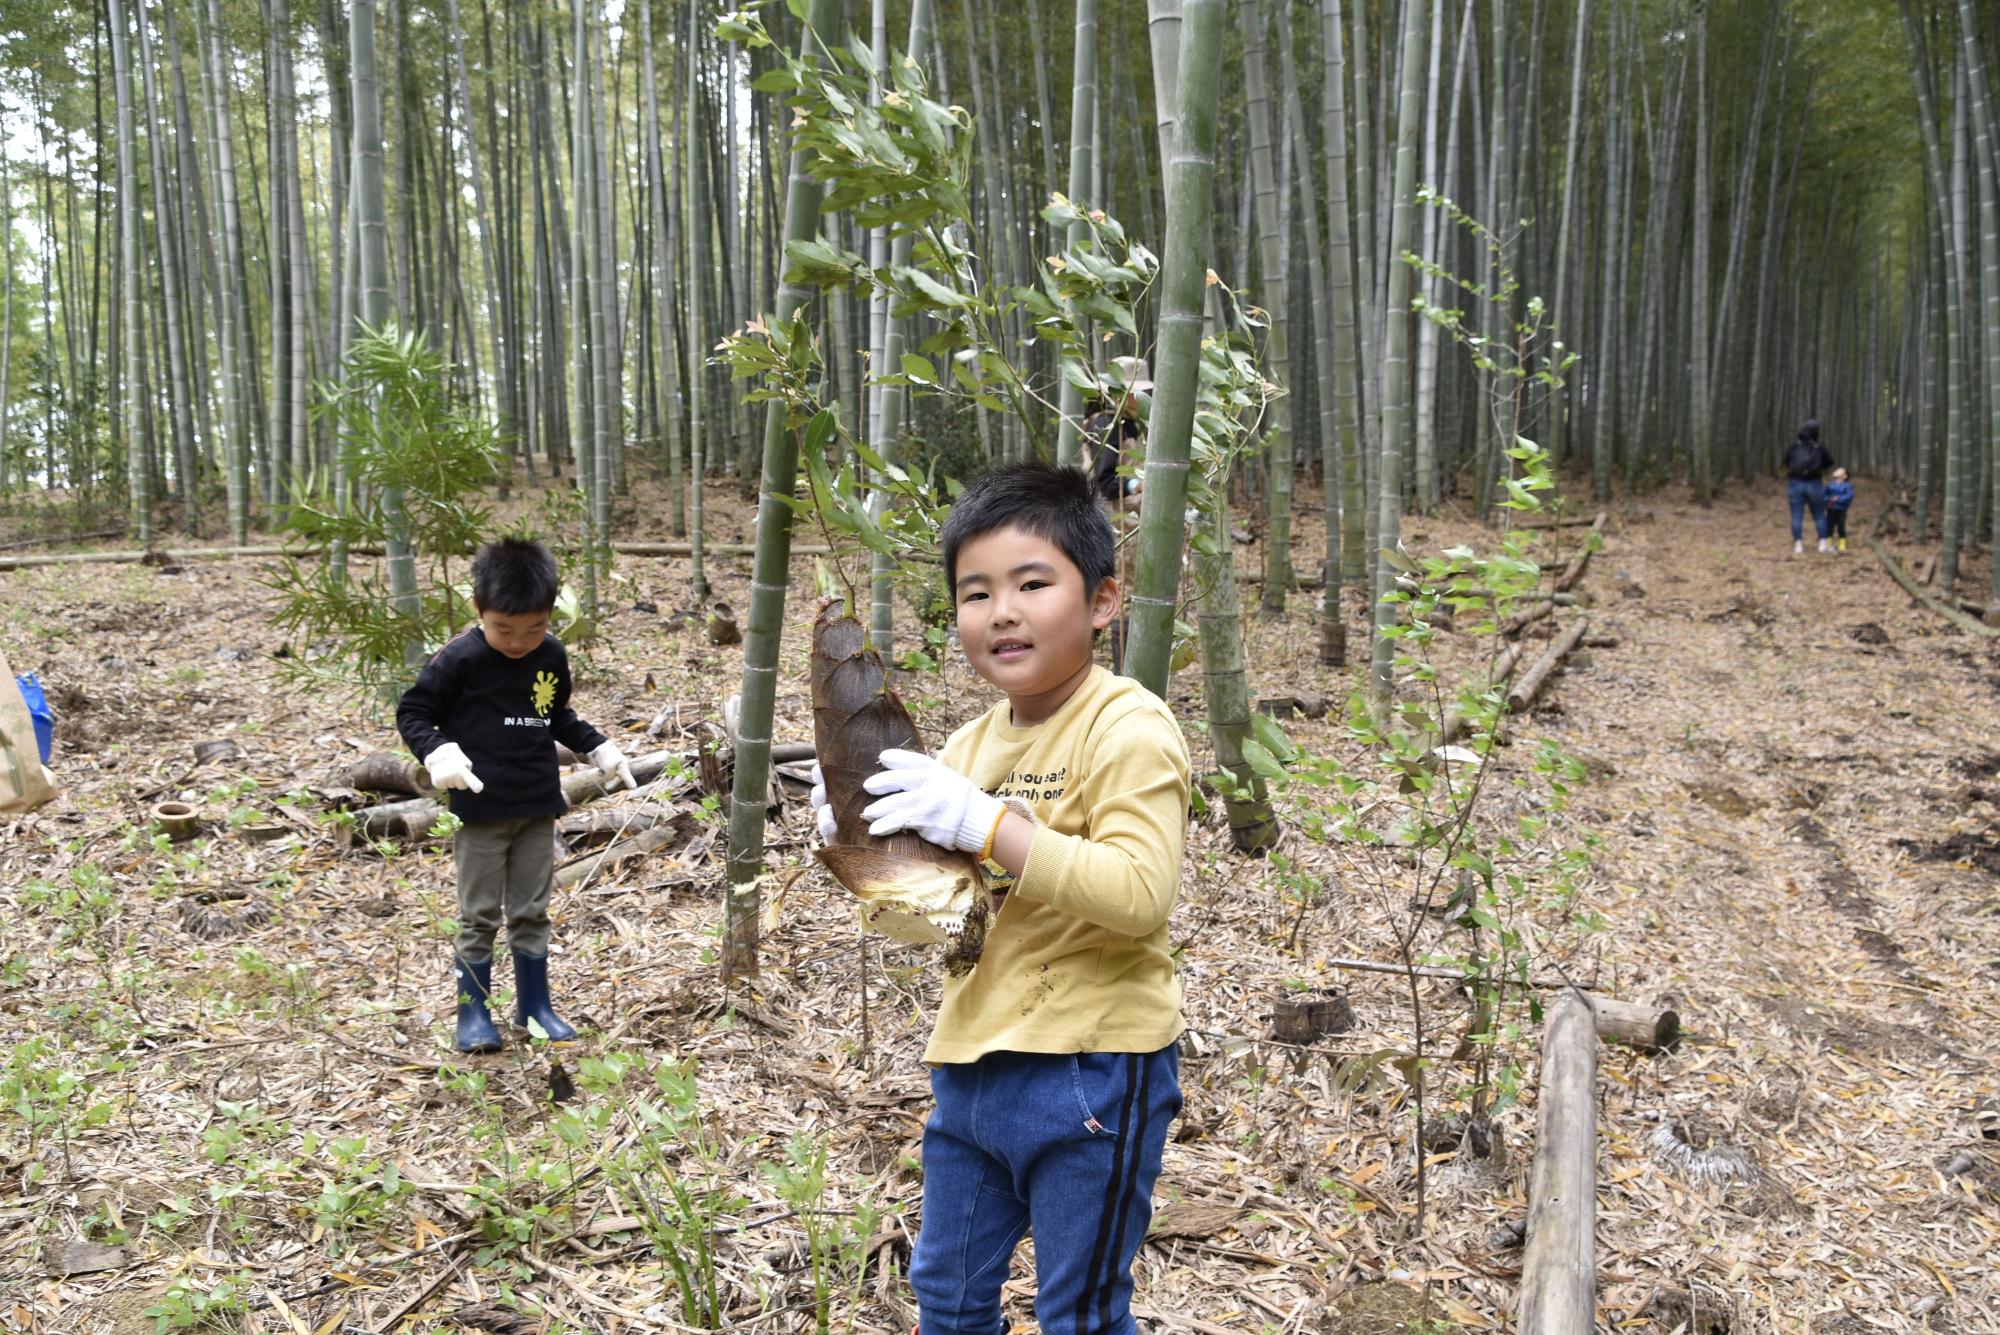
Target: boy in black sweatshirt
483,717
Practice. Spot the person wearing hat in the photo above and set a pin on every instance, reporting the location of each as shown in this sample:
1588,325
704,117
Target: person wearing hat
1113,432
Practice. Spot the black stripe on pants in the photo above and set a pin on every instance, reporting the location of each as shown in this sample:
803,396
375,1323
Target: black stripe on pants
1115,1196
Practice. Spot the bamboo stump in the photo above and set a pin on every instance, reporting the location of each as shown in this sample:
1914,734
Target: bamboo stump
176,820
1307,1017
1559,1271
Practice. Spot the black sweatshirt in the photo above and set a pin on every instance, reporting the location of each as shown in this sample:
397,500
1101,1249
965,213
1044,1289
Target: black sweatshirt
502,712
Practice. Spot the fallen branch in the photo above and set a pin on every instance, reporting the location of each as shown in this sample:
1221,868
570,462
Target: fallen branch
1559,1270
1930,600
1530,685
1567,521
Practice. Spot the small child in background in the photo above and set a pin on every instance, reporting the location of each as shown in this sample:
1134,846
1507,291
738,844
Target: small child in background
484,717
1839,495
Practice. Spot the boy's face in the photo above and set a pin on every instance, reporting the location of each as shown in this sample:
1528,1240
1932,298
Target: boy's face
1026,620
515,634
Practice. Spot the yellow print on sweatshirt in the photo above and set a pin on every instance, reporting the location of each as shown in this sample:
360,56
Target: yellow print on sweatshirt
545,691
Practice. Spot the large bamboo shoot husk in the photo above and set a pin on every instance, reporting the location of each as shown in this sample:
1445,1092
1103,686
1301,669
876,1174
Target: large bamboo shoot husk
909,888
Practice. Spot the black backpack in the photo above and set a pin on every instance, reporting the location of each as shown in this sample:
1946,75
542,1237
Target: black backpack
1802,459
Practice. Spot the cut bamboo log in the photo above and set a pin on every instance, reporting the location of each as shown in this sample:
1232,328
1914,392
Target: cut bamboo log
708,549
1559,1269
174,555
218,751
1300,579
1574,571
1530,685
1930,600
580,829
1503,668
384,773
1520,621
1646,1028
624,850
51,539
1567,521
413,818
159,556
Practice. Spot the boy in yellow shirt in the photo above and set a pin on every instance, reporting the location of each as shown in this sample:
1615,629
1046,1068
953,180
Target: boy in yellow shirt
1053,1062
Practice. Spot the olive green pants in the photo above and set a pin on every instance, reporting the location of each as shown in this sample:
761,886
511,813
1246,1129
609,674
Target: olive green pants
505,869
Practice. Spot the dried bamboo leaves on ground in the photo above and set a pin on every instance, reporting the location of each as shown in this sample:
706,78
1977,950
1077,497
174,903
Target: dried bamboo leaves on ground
1800,835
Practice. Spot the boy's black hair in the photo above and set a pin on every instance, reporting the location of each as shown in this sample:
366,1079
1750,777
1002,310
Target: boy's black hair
514,577
1055,504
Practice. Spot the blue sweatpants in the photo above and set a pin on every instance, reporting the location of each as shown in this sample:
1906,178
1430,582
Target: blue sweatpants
1804,494
1068,1145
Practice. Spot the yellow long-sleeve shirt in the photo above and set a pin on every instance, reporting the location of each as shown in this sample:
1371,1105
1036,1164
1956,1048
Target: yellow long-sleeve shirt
1078,959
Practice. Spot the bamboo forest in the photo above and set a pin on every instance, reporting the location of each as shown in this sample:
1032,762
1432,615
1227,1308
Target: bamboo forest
1304,667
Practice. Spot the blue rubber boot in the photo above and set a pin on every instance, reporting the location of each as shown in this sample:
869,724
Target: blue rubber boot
475,1027
531,998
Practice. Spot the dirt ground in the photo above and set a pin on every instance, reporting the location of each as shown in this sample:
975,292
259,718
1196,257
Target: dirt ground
229,1059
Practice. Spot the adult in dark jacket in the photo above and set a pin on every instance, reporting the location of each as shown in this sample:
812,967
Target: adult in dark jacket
1806,463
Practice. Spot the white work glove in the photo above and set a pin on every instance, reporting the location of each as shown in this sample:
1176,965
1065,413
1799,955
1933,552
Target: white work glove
450,768
822,809
610,761
918,793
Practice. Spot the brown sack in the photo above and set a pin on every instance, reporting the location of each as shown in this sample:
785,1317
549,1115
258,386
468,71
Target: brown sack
25,783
